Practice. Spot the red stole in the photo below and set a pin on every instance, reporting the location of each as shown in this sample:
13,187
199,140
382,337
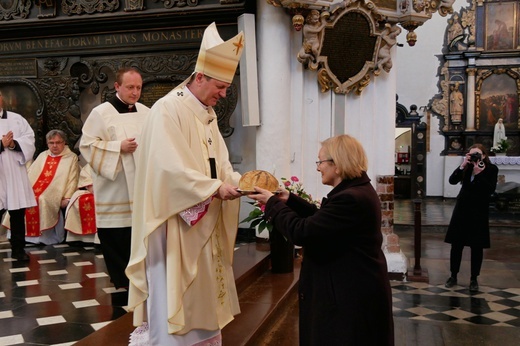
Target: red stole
32,215
87,213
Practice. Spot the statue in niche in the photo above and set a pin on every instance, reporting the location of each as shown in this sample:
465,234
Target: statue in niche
455,29
389,39
499,133
311,36
456,104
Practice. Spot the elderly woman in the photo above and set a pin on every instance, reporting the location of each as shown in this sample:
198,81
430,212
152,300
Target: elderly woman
344,290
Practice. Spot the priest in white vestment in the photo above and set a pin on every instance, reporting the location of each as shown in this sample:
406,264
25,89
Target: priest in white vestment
54,178
16,194
186,210
109,142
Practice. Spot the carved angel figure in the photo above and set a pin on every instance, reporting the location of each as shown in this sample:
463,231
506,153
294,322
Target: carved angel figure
311,36
455,29
388,40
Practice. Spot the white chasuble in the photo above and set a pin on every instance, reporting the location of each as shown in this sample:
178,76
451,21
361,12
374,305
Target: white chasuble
174,174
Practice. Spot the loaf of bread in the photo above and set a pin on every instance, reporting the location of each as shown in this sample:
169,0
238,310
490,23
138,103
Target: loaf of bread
262,179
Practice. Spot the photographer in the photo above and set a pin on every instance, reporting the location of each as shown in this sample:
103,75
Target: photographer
469,225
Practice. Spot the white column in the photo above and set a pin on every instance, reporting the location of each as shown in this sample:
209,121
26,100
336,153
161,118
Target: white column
470,100
273,43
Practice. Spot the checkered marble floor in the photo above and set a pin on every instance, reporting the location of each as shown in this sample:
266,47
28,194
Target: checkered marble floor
60,296
489,306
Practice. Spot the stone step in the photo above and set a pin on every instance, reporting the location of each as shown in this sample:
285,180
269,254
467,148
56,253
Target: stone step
263,297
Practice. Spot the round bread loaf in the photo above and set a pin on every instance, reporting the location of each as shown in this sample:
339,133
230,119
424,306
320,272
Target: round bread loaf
262,179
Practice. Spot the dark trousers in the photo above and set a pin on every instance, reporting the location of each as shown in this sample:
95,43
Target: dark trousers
17,229
477,255
115,245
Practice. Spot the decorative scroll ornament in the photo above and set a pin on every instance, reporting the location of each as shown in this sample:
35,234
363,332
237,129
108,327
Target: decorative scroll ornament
440,105
46,8
345,40
345,46
72,7
178,3
134,5
15,9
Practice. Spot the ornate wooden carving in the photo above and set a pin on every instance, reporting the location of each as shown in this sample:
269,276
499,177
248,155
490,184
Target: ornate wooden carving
46,8
78,7
170,69
62,106
52,66
178,3
134,5
22,96
15,9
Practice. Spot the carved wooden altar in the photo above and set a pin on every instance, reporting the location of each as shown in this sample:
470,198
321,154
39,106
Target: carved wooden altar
481,71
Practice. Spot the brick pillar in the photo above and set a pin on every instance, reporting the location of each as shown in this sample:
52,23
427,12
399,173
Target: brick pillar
397,262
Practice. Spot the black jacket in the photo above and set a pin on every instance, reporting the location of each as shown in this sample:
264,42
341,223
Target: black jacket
344,290
469,223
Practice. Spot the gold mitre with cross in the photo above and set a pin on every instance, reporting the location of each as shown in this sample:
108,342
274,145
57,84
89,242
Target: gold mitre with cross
218,58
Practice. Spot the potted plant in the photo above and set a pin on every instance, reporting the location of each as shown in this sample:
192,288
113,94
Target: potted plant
282,251
501,148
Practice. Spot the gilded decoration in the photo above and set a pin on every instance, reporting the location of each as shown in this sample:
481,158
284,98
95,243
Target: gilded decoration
346,45
15,9
440,105
348,41
79,7
480,76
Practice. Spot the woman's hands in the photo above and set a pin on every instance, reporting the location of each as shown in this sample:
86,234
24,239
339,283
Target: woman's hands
262,195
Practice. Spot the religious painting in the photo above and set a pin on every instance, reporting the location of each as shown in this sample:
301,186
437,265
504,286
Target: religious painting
498,99
500,25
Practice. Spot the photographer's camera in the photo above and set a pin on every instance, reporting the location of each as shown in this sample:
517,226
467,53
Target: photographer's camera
475,157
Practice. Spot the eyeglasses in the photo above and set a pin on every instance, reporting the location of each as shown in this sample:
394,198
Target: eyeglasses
318,163
55,143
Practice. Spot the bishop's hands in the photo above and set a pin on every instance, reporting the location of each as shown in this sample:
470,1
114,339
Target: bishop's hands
227,192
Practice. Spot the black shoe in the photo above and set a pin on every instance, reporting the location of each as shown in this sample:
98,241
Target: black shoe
450,282
20,256
473,285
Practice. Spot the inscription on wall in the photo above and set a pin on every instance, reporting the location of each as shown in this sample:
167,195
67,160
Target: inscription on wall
18,68
106,42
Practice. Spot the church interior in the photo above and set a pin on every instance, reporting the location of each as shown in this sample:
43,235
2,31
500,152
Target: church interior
448,80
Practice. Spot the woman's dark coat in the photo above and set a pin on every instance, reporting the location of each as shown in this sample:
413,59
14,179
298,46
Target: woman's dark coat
469,225
344,290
